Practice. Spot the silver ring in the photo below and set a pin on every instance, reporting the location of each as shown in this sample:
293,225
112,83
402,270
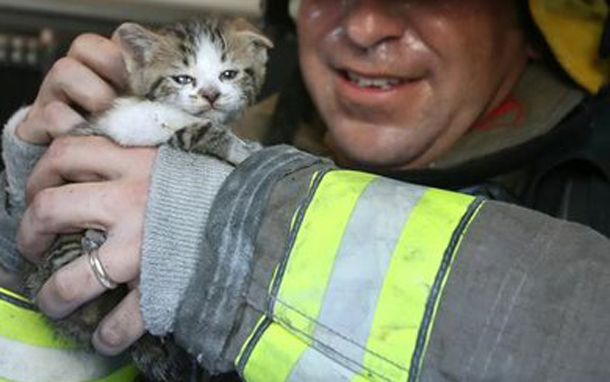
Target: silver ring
99,271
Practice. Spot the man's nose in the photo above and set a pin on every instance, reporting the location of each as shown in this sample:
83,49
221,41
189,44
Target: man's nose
369,23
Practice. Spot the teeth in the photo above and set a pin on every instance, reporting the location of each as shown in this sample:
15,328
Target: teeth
379,83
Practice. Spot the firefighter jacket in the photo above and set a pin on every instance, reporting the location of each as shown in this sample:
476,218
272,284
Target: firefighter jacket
314,273
322,274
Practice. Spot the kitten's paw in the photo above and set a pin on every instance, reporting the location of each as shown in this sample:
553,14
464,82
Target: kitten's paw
134,122
162,360
216,140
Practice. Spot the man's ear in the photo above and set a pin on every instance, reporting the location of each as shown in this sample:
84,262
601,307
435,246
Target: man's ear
137,45
245,29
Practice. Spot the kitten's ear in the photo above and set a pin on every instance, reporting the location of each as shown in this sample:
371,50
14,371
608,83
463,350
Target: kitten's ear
246,29
137,44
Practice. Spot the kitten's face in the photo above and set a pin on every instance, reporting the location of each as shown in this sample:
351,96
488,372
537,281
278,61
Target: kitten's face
209,68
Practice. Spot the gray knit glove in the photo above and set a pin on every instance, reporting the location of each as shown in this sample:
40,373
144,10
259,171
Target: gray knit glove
182,190
19,159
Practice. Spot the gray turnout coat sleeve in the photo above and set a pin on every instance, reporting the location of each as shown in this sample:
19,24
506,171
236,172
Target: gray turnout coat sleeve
513,295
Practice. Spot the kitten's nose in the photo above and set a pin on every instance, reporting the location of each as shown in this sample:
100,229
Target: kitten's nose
211,95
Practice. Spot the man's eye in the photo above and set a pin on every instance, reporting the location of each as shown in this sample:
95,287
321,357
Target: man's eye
183,79
228,75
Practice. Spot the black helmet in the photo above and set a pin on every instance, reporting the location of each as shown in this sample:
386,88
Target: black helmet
276,15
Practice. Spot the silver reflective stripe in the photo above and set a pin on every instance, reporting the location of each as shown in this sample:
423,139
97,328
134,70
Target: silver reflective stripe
358,275
315,366
23,362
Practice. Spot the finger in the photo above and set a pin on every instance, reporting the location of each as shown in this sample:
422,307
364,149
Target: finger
121,328
70,159
76,283
70,80
102,55
54,119
68,209
68,288
79,159
60,118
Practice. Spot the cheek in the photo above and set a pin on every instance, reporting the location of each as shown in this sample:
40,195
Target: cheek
187,95
185,98
245,89
318,12
318,78
317,19
319,25
168,92
455,33
233,96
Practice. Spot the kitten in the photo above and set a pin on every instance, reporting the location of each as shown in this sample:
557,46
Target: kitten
187,81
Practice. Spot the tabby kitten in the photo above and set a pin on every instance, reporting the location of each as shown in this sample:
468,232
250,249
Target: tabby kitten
187,81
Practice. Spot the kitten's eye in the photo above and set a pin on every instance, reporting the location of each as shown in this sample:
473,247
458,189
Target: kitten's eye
183,79
228,75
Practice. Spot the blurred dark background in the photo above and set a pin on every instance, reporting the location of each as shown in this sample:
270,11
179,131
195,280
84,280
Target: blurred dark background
29,42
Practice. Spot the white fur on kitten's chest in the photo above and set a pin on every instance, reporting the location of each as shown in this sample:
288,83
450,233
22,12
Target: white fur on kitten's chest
136,122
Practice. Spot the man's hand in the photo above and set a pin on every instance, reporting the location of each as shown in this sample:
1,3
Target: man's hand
87,80
110,195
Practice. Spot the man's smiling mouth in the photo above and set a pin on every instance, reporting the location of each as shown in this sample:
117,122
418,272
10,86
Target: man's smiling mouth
372,82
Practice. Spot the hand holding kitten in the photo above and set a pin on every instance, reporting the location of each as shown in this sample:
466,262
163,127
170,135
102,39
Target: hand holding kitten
186,83
85,81
115,202
112,193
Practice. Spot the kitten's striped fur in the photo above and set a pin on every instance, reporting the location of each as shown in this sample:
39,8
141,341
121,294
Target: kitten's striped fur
187,81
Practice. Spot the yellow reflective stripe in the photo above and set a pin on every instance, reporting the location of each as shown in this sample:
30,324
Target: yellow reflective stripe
305,278
475,208
367,246
30,350
409,280
259,328
17,296
293,344
313,184
274,355
27,326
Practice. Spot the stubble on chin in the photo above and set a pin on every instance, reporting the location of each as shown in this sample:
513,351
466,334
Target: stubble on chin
372,147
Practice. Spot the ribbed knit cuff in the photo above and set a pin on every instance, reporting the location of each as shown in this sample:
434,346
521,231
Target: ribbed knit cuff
180,197
19,158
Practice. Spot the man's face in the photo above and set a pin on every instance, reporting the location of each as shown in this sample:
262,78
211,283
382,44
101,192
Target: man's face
399,81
